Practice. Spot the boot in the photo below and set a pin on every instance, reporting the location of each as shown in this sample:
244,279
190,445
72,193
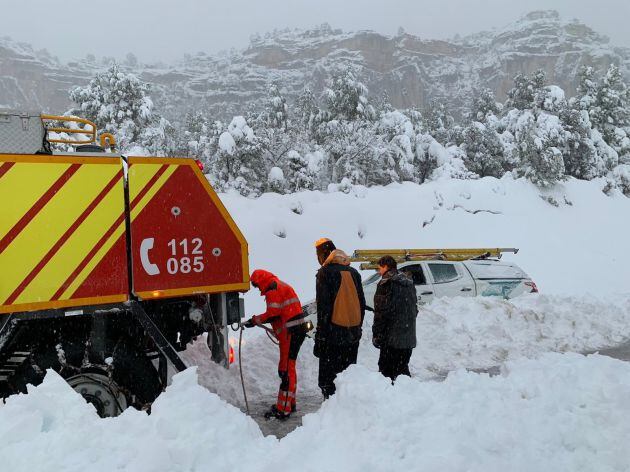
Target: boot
293,408
275,413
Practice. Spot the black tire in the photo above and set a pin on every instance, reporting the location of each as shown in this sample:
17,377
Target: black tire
137,375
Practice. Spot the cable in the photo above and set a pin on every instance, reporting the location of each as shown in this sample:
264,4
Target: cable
272,337
240,368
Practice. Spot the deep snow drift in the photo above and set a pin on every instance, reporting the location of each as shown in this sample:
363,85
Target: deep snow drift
474,333
561,412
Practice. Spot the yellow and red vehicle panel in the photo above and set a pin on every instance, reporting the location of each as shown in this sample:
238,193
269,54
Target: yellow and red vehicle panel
63,232
61,239
183,240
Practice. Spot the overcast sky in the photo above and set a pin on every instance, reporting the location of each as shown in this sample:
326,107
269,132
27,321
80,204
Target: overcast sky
166,29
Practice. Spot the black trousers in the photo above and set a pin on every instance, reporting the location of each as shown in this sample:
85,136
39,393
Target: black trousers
334,359
393,362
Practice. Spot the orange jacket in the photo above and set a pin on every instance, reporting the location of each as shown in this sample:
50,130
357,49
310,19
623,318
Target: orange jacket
283,304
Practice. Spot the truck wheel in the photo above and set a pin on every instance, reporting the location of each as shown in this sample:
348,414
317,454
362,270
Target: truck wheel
137,375
101,392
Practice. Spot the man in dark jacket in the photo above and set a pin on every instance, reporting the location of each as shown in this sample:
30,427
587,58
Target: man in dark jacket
395,311
340,312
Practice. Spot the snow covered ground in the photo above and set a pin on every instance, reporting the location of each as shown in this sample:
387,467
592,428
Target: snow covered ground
549,409
560,412
452,333
571,238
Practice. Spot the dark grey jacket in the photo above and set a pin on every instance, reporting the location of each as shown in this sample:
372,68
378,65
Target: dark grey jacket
395,312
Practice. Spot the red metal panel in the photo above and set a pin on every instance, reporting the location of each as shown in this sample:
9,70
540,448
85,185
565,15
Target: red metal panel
184,241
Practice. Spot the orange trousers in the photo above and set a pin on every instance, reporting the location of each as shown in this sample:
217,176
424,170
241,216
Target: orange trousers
290,345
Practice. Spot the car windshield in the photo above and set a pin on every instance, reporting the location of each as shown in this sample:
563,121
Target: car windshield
494,270
372,278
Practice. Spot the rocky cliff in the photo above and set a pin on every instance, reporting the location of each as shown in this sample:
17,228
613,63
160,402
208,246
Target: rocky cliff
410,69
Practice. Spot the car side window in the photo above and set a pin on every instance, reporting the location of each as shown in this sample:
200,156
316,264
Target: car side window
443,273
415,272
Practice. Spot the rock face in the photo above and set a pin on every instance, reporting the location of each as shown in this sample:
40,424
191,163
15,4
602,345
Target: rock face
411,70
34,80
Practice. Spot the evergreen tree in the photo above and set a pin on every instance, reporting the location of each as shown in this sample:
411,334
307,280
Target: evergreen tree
398,135
612,111
117,102
534,137
484,106
427,155
539,143
586,155
353,149
303,172
383,103
438,121
307,111
276,181
528,92
160,139
483,150
277,110
347,98
587,92
238,162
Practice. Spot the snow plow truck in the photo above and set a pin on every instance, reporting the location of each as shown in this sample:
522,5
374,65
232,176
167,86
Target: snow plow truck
109,265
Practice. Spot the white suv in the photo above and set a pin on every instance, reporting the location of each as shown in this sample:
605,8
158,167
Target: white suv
485,277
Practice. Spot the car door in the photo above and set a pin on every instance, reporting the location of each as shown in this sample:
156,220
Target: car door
424,290
450,279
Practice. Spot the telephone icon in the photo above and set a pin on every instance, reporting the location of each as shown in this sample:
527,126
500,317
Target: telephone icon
147,265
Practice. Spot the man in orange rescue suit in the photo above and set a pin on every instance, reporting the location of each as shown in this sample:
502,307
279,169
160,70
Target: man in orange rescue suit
289,323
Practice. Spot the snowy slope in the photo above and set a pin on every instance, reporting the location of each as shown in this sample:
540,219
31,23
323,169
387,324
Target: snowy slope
575,245
561,413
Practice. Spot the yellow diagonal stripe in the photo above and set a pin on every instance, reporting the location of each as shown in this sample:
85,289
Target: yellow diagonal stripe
21,187
139,176
151,193
77,247
38,237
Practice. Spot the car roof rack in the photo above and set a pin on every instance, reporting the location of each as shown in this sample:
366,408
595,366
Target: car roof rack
369,257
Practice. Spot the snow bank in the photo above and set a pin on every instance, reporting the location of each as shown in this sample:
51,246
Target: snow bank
560,412
482,332
53,428
474,333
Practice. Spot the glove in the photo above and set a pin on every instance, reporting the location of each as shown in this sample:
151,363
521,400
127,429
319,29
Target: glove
249,323
317,347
